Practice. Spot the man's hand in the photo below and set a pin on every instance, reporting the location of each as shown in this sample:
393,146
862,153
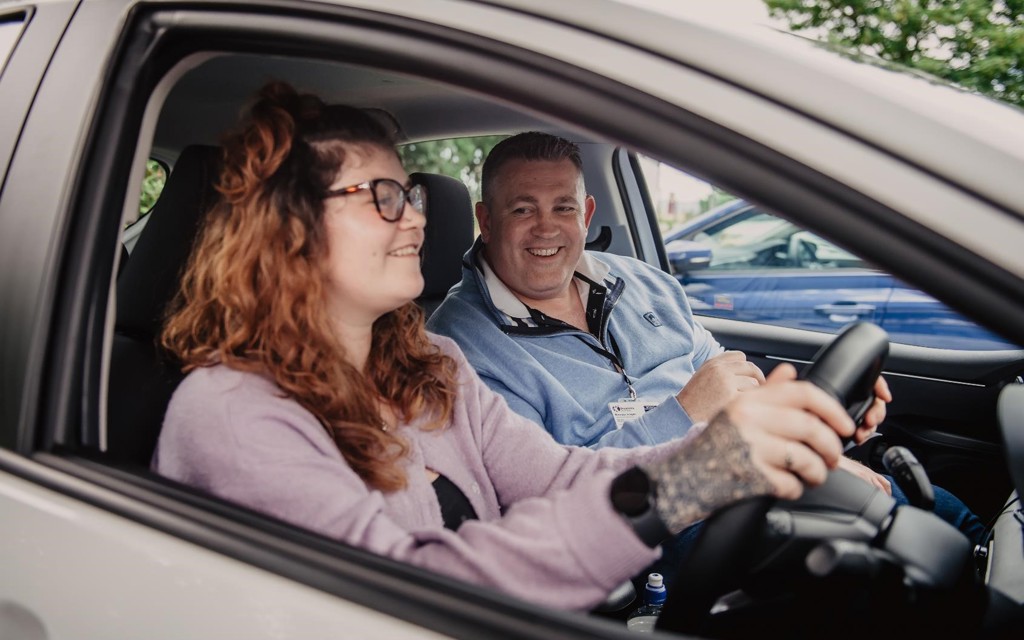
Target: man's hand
865,474
876,414
718,381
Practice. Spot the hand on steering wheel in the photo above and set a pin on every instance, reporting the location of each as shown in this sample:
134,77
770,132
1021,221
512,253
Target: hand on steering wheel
847,370
772,440
791,428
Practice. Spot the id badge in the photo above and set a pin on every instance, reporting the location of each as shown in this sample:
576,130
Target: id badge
625,410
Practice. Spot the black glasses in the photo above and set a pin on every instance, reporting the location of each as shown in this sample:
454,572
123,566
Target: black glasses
389,196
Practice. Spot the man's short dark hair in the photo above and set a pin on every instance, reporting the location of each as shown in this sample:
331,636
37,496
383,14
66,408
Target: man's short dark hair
532,145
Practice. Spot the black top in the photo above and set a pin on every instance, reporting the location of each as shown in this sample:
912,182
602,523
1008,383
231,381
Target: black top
455,507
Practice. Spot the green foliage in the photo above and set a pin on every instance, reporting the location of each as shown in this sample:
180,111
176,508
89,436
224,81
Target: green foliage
152,185
977,44
714,199
460,158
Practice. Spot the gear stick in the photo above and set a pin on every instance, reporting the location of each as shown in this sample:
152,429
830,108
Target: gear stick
910,476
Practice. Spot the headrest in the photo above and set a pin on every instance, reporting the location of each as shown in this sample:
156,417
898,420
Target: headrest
449,232
151,276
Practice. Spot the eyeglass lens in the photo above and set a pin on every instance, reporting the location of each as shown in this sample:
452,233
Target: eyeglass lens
391,198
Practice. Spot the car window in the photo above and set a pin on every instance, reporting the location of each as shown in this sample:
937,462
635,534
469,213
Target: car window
459,158
10,29
152,185
739,262
758,240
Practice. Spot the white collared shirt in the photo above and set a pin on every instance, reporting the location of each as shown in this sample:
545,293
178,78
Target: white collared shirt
509,304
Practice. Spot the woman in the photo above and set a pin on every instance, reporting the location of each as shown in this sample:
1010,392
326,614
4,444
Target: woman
315,395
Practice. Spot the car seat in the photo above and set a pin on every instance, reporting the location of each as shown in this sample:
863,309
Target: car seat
141,379
449,235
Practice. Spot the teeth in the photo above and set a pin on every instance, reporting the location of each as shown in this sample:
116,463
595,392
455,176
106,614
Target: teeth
404,251
543,252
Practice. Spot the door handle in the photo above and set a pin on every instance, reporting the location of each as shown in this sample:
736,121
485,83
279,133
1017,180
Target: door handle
845,312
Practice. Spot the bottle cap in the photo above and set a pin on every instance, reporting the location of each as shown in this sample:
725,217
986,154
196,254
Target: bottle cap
654,592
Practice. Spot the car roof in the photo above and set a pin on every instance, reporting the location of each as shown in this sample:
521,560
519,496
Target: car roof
949,131
726,209
212,91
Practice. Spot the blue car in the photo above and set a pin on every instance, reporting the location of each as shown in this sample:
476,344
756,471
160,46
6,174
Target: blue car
743,263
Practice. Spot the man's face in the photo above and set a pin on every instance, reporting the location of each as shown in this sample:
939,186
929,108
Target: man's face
535,227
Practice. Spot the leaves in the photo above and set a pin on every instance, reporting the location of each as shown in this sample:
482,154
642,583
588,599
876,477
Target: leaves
977,44
460,158
152,185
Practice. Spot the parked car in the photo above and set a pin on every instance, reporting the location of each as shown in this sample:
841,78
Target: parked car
740,262
919,179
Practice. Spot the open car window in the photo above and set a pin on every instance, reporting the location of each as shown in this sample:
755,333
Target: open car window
738,261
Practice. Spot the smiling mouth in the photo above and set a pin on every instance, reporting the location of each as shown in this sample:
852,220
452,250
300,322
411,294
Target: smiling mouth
411,250
544,253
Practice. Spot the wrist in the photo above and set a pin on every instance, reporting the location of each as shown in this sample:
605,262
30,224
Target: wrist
632,495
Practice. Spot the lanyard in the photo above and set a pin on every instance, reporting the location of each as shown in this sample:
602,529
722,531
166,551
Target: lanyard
613,357
595,313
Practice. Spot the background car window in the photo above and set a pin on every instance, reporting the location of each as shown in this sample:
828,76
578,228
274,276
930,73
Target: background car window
736,261
153,182
757,240
460,158
152,185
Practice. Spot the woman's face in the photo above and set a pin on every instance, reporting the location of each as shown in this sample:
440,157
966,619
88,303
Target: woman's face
374,265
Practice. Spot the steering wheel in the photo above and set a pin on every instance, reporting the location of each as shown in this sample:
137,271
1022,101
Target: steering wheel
723,554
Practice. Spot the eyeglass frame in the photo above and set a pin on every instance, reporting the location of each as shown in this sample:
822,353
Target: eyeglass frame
371,186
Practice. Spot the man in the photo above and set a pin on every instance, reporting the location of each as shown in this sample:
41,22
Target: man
602,351
619,329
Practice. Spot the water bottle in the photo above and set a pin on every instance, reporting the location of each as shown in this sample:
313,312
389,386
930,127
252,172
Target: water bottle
643,619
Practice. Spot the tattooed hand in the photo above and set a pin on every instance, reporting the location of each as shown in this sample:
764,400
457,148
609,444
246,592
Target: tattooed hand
771,440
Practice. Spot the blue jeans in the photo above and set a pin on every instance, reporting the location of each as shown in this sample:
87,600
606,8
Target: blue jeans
947,506
951,509
673,551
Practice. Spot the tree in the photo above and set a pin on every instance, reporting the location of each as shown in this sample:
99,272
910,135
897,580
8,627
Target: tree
714,199
977,44
152,185
460,158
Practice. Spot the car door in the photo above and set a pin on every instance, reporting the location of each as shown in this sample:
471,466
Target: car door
914,317
75,563
134,556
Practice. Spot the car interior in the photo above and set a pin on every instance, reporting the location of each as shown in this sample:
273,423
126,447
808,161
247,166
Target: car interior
945,410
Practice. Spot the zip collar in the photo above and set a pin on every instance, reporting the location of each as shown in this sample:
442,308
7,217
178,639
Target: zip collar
599,291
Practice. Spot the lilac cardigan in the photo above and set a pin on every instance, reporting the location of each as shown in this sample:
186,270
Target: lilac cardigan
546,532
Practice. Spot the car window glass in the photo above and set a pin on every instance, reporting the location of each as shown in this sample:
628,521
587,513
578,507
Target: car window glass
459,158
757,240
10,29
738,262
152,185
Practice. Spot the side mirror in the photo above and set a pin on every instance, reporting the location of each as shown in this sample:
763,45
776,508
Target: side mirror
687,255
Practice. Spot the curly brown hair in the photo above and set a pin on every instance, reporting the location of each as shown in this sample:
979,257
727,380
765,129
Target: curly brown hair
253,293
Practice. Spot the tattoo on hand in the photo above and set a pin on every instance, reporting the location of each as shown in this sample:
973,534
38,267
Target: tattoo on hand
712,470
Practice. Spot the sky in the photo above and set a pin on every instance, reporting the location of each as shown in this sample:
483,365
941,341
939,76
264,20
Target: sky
752,10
